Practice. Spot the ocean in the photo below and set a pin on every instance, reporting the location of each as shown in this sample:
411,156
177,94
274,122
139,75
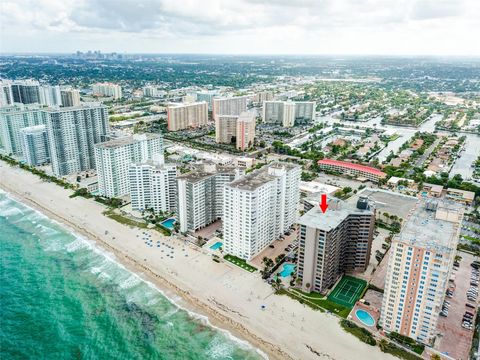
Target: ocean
62,297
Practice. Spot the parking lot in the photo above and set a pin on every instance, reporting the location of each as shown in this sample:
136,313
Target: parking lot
456,340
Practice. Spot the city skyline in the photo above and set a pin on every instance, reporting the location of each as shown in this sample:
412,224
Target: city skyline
421,27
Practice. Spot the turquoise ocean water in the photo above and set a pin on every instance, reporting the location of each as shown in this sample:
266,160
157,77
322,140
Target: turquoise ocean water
63,298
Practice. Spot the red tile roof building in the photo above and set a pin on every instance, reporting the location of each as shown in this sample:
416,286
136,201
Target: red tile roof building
352,169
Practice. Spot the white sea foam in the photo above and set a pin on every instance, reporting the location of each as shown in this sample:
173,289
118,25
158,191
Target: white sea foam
110,258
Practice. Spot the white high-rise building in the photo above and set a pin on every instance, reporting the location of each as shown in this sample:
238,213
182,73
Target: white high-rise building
72,134
187,115
288,113
113,159
35,145
50,95
13,118
6,97
230,105
150,91
153,185
245,130
419,269
107,89
70,97
259,207
200,195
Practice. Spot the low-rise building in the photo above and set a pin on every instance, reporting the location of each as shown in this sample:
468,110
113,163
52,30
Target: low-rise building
352,169
461,196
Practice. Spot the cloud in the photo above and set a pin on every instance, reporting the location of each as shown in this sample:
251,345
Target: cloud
244,25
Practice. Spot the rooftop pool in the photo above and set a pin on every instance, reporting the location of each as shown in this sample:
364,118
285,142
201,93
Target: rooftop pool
168,223
287,270
216,246
364,317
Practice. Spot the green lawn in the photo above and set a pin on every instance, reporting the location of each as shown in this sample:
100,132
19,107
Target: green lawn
347,291
240,263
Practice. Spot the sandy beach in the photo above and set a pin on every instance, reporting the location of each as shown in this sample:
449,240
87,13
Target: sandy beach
230,297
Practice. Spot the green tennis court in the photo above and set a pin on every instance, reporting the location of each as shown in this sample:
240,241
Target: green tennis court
348,291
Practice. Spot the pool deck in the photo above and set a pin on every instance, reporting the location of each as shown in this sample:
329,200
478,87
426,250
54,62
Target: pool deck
370,309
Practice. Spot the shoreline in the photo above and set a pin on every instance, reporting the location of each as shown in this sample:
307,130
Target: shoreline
226,297
195,308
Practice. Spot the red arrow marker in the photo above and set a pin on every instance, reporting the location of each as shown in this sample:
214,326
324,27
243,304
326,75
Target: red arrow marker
323,203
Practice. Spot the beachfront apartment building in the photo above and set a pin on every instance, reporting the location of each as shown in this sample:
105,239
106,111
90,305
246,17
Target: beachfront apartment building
419,269
107,89
35,145
5,93
187,115
72,135
153,185
13,118
200,195
25,91
229,105
259,207
113,159
70,97
288,113
333,243
347,168
245,136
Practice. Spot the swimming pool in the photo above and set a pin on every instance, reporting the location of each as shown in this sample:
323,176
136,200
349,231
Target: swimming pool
216,246
365,318
168,223
287,270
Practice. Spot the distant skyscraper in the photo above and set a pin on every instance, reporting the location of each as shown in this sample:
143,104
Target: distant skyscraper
245,130
113,159
107,89
419,268
188,115
259,207
72,134
304,112
35,145
13,118
208,97
150,91
333,243
153,185
226,128
70,97
263,96
200,195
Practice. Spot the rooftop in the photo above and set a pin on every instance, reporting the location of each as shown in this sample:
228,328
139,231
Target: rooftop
433,224
127,140
260,177
206,170
352,166
336,213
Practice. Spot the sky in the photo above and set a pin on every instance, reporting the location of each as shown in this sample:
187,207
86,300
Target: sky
350,27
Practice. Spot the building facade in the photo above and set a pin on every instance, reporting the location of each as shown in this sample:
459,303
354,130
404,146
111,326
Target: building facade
72,134
70,97
245,136
333,243
352,169
419,269
200,195
153,185
229,105
259,207
35,145
50,95
107,89
25,91
187,115
113,159
288,113
226,129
